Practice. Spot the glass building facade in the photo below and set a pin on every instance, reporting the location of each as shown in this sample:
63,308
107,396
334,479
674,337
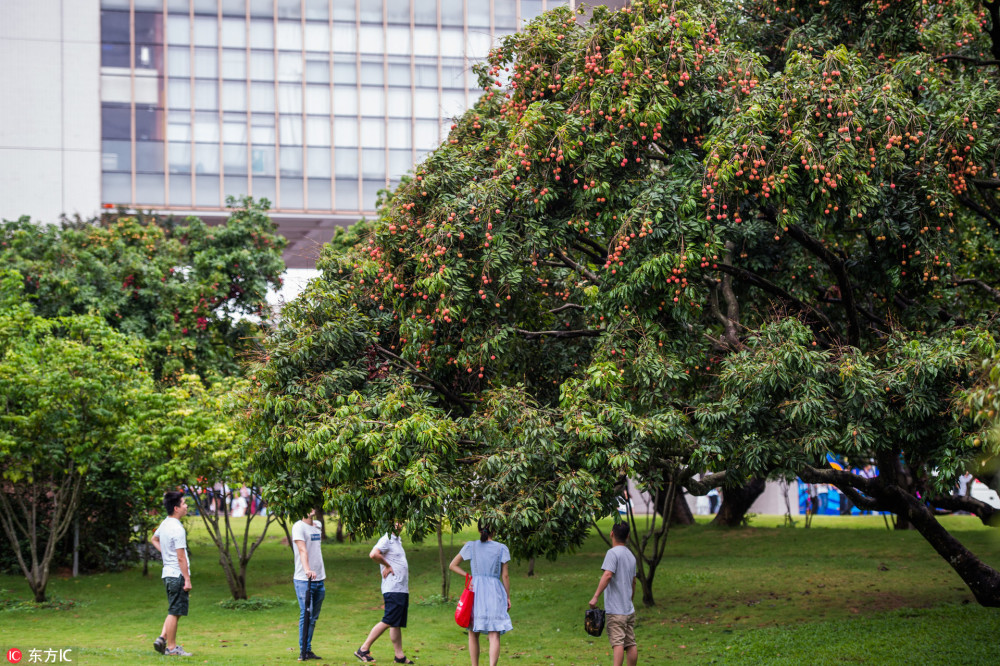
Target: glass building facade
313,104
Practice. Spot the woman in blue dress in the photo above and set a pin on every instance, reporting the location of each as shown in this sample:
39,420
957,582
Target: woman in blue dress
491,584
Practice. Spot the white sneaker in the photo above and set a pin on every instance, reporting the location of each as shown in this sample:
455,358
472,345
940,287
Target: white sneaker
177,652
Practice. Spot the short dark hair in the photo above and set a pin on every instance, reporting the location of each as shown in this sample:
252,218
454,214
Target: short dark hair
620,532
171,500
484,531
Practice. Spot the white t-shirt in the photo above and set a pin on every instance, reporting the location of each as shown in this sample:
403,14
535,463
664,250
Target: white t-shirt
392,550
312,535
239,507
172,536
618,594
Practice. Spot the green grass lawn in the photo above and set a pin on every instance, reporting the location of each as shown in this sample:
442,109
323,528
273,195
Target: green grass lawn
844,591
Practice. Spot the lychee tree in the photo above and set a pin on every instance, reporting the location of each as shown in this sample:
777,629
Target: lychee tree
184,286
570,290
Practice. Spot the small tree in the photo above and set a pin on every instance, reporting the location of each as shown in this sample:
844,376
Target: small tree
188,432
68,385
180,284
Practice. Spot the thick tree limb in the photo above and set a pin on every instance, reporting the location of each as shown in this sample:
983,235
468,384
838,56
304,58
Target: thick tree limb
441,388
581,333
752,278
994,293
985,214
703,485
847,483
586,249
595,246
994,9
731,339
976,62
875,319
583,270
981,510
568,306
836,264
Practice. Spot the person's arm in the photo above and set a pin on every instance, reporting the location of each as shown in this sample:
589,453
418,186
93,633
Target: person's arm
182,563
454,565
633,589
603,583
155,540
304,558
379,557
505,577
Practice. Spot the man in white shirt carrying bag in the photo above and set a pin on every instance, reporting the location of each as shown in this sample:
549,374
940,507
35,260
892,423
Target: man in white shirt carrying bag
618,585
170,539
307,538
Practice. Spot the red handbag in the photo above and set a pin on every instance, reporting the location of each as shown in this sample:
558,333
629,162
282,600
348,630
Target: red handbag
463,612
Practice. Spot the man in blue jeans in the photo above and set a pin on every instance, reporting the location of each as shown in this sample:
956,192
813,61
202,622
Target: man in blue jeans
307,535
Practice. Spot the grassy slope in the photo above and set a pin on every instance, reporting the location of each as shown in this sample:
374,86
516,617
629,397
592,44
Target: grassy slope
844,591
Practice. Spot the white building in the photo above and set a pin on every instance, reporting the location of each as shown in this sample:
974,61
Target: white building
172,105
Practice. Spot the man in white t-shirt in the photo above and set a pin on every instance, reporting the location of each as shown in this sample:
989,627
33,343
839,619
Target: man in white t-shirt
389,553
618,585
171,540
307,538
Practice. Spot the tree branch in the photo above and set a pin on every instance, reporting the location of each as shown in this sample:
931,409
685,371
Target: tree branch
577,267
994,293
568,306
597,247
843,281
756,280
976,62
730,337
847,483
703,485
588,251
580,333
994,9
982,510
441,388
985,214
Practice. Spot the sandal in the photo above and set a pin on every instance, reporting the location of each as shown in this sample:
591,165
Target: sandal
364,655
402,660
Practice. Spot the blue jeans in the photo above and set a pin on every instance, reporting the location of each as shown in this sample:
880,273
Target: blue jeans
319,592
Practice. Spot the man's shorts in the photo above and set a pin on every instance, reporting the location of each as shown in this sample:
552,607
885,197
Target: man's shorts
396,605
177,596
621,630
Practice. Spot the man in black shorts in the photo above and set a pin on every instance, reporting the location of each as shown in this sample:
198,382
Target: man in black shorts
170,539
389,553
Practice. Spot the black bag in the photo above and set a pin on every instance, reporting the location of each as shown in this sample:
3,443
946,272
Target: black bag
593,621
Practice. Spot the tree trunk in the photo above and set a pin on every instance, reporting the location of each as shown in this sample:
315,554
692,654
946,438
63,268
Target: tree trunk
38,589
531,566
145,552
322,523
445,572
340,530
682,512
737,501
983,580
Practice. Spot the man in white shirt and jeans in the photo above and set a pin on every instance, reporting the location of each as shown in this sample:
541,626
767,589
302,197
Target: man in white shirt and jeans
389,553
171,540
307,537
618,585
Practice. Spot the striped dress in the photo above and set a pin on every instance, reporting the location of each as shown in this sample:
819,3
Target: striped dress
489,610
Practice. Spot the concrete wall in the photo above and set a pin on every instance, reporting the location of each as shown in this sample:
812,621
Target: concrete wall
50,117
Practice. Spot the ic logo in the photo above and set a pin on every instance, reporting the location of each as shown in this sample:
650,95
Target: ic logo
13,655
